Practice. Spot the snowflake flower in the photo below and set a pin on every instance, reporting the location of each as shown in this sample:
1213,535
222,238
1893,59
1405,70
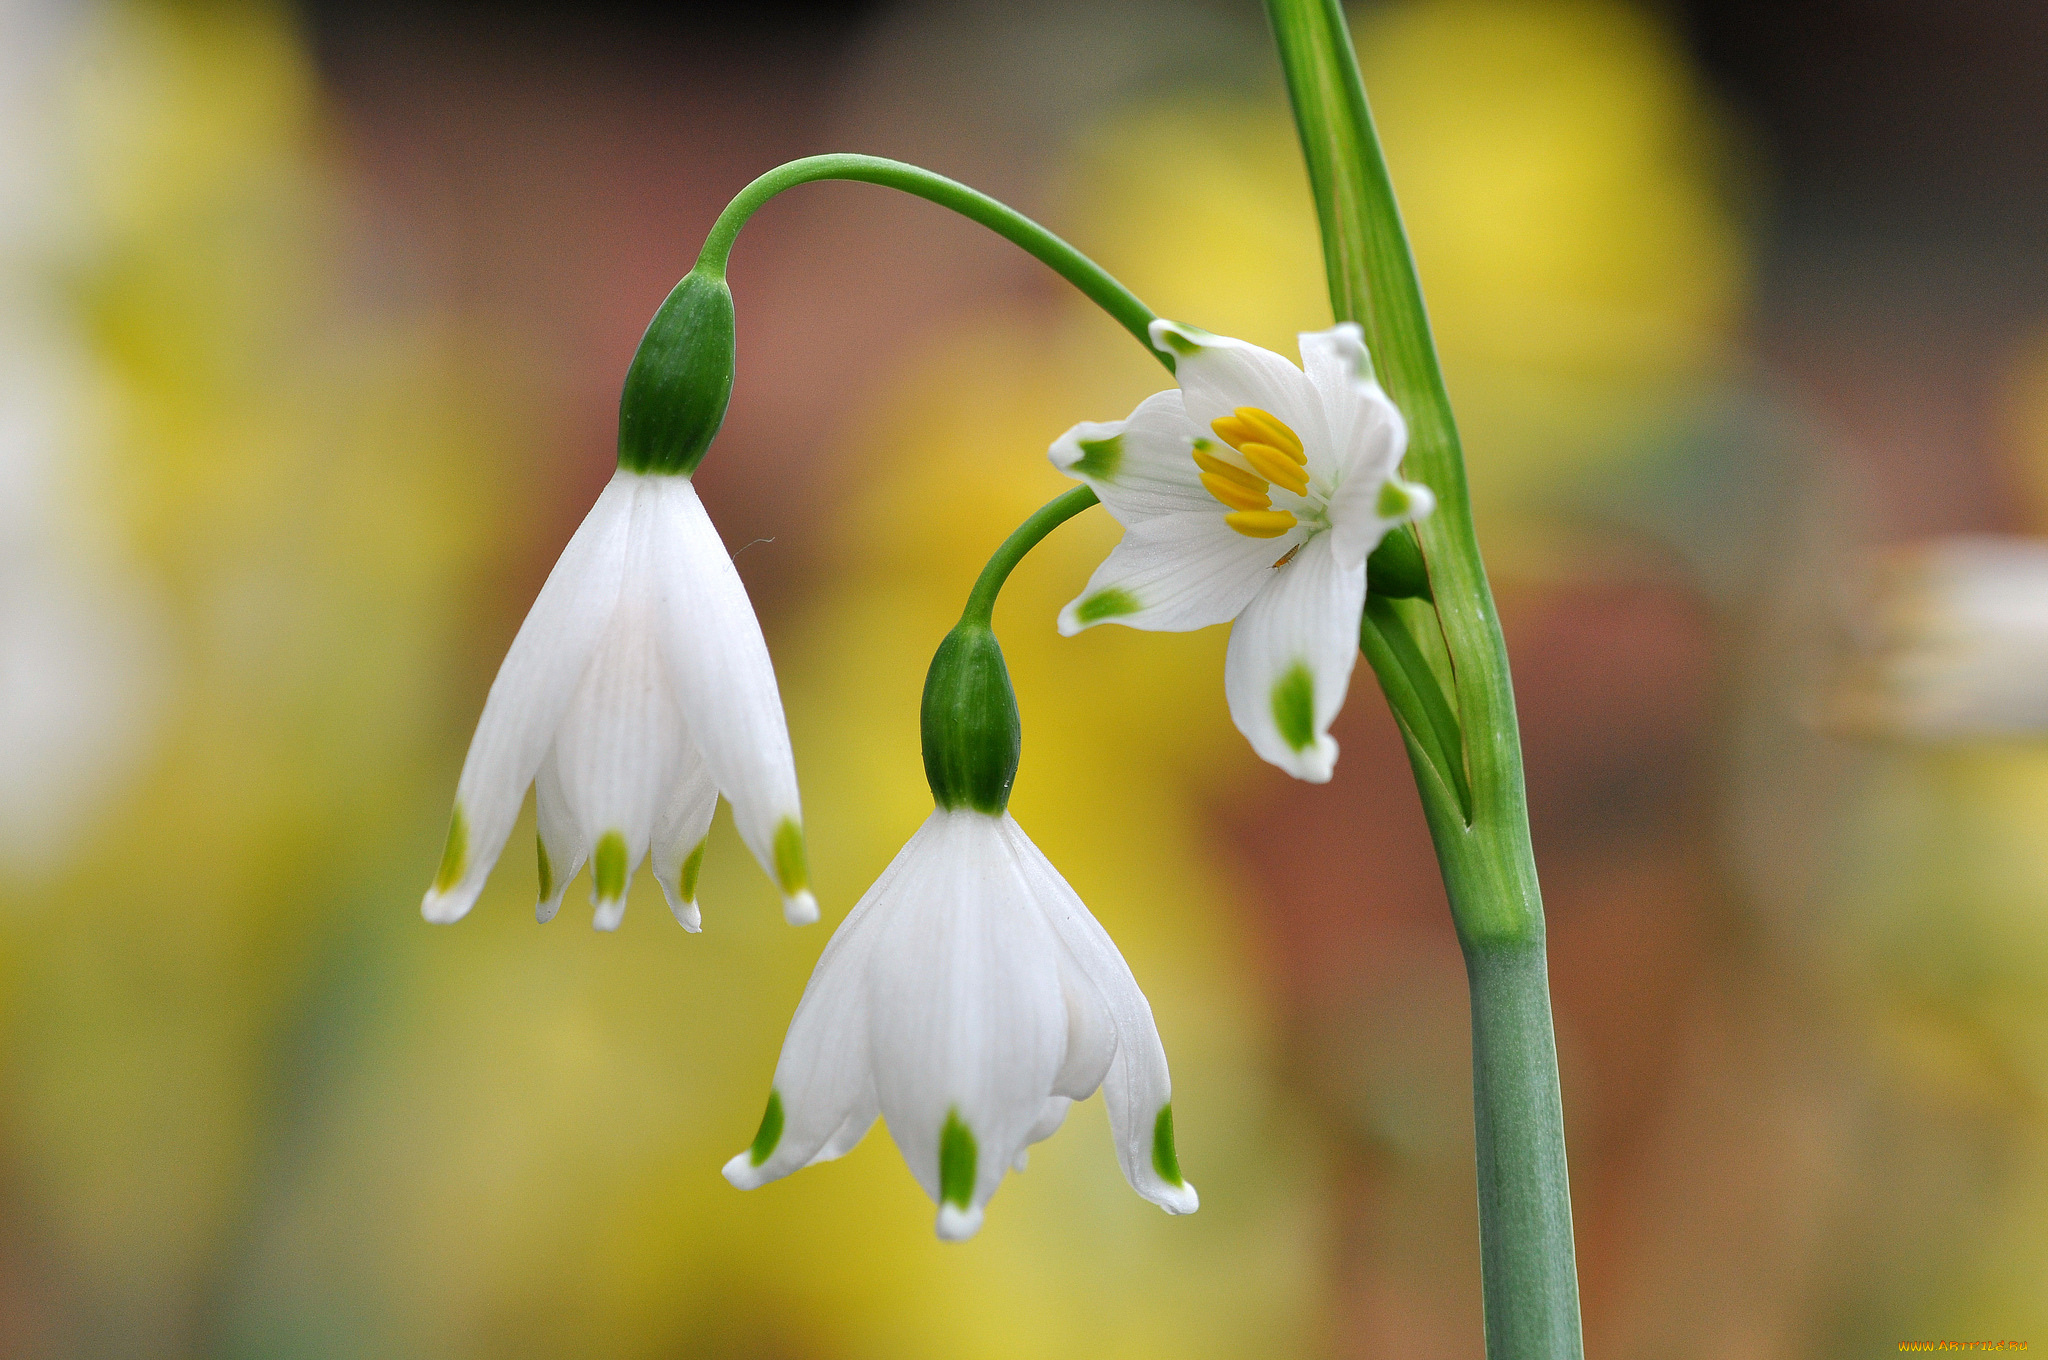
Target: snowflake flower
1254,492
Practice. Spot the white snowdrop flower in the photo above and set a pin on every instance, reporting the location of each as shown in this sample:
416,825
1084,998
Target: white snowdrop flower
1953,645
639,687
969,998
1254,492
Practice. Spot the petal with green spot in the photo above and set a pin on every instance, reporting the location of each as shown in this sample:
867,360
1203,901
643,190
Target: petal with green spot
455,855
608,867
770,1132
1294,706
957,1155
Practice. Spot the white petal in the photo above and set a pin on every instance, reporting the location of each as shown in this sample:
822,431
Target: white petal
534,686
1176,573
957,1225
1218,374
1091,1034
562,847
867,1109
1137,1088
1290,659
1140,467
679,836
715,653
1138,1093
622,741
1369,437
1336,361
1364,508
824,1081
1050,1116
616,754
966,1015
1366,430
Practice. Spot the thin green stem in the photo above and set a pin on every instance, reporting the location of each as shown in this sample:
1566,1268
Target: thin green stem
1070,264
981,601
1489,868
1525,1206
1421,705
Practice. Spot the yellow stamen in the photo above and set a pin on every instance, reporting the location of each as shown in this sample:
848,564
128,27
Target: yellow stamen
1268,428
1234,495
1276,466
1231,472
1260,523
1231,430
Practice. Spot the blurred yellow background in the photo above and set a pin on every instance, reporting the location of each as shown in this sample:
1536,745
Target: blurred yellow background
310,333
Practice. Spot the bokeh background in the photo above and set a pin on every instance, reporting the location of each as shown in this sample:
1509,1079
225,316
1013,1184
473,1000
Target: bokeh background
311,328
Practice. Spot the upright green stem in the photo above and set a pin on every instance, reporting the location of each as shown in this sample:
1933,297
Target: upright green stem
1489,871
1070,264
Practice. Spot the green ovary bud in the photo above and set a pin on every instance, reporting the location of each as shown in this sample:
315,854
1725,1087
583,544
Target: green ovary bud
681,378
1396,569
971,736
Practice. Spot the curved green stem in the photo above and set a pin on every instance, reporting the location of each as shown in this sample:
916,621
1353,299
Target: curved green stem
981,601
1070,264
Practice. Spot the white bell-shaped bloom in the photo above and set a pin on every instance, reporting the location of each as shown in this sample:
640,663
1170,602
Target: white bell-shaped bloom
1254,492
969,999
637,690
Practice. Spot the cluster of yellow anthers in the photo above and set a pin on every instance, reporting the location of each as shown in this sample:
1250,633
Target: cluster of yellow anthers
1276,458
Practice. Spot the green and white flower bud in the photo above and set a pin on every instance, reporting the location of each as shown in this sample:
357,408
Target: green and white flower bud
681,379
972,739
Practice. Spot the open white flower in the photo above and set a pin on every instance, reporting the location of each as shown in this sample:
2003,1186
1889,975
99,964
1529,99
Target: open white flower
1255,492
637,690
969,998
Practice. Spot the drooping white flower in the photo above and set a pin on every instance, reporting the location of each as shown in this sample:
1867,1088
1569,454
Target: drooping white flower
1254,492
968,999
638,689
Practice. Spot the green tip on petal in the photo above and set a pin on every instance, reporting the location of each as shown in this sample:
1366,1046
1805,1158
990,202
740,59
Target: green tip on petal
770,1132
686,880
1111,602
956,1162
792,867
1181,340
1294,706
1393,502
1165,1160
608,867
1100,458
455,855
547,870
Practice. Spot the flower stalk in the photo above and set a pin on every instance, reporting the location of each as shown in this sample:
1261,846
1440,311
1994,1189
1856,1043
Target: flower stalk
1481,837
1396,567
1095,283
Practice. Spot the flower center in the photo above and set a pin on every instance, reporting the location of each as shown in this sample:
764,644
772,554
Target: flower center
1272,456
